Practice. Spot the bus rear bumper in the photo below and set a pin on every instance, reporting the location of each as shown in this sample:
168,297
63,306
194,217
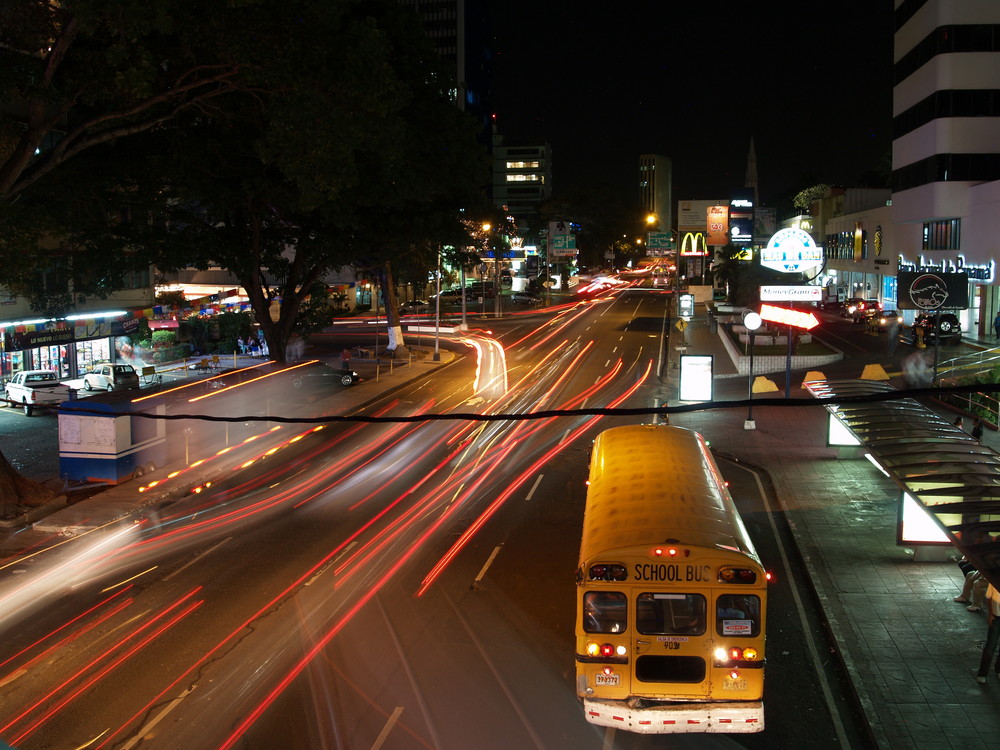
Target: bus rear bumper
677,718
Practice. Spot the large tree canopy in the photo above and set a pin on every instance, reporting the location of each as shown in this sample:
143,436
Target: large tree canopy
331,141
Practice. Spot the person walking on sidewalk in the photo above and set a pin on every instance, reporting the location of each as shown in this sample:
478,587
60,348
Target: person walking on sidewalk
996,324
992,636
977,430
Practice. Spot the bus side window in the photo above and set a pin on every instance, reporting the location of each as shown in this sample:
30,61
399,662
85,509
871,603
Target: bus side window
604,612
737,614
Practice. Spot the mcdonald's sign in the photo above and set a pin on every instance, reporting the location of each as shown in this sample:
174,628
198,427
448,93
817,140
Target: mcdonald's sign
694,244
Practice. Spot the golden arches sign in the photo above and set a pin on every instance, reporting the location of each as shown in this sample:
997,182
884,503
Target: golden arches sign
694,244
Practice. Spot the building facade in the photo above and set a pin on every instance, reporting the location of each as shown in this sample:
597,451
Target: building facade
656,188
522,179
946,144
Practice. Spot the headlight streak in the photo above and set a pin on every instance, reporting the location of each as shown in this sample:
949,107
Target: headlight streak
198,383
116,661
60,575
470,532
220,391
495,455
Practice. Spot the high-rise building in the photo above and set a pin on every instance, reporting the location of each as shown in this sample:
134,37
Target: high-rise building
946,142
522,178
656,188
462,33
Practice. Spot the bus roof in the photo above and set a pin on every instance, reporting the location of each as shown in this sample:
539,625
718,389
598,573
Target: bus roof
654,483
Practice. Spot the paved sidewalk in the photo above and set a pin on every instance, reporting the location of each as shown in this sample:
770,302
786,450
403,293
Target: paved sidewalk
910,650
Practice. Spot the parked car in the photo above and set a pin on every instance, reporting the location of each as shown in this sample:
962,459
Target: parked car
414,306
110,377
523,298
948,326
859,310
316,380
449,296
34,388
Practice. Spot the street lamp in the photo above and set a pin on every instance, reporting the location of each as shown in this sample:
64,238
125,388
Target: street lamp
751,322
437,311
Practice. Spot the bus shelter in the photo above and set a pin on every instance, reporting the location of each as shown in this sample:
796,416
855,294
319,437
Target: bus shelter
938,467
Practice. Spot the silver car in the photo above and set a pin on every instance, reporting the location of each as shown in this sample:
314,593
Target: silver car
111,378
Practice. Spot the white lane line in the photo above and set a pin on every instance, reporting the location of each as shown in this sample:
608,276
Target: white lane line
140,735
195,559
486,565
534,487
810,641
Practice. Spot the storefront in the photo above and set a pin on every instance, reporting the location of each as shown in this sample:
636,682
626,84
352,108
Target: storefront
69,348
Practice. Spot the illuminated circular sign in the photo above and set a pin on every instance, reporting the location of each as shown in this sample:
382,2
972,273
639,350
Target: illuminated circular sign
791,250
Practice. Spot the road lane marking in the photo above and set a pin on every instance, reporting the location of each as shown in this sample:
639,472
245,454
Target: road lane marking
487,564
196,558
534,487
389,724
157,719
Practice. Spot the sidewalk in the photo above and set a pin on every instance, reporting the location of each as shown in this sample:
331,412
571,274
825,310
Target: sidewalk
910,650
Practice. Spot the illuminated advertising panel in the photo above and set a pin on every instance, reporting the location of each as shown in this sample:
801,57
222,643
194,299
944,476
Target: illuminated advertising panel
916,526
932,291
696,377
718,225
741,219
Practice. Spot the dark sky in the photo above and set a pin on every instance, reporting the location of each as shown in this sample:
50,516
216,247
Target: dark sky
604,82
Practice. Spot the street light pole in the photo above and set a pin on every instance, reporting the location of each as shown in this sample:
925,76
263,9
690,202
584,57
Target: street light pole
437,311
751,321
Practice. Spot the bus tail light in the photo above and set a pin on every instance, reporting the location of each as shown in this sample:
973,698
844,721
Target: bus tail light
593,649
607,650
750,654
737,575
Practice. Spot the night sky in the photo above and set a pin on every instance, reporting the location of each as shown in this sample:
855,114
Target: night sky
604,82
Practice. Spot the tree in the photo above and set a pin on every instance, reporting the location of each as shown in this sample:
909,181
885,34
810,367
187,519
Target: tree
335,145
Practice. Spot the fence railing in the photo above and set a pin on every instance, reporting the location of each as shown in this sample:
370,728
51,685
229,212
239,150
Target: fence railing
983,366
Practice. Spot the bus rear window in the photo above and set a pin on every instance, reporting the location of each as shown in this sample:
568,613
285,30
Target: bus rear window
605,612
737,614
670,614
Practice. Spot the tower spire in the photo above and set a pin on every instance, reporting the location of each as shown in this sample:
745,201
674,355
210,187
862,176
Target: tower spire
751,181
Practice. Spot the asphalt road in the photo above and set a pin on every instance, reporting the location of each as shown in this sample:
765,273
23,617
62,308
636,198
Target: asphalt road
394,585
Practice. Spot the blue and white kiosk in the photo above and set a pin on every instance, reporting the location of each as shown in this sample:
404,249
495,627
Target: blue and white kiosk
101,439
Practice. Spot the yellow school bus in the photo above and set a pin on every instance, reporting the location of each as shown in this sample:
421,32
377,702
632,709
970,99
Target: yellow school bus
671,595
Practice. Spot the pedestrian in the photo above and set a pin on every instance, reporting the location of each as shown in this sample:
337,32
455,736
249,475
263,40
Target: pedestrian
992,636
959,424
996,324
973,591
345,359
977,430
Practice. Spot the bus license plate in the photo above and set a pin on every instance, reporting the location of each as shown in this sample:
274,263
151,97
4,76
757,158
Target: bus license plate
731,684
607,679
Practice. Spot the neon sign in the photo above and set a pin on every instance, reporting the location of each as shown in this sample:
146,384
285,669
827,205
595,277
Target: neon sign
787,317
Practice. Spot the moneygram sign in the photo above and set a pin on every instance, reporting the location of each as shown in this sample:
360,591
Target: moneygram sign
791,251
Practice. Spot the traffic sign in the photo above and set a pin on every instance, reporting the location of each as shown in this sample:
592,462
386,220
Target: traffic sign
787,317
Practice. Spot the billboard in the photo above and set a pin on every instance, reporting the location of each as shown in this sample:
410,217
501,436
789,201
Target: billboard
718,225
741,219
923,290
